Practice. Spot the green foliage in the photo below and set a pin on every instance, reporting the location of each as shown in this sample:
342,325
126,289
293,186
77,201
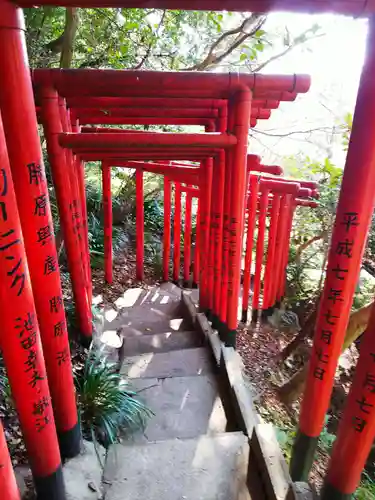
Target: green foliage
107,404
347,129
125,38
153,215
366,490
286,436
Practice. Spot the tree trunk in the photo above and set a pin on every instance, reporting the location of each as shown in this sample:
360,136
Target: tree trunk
293,388
306,331
305,245
71,26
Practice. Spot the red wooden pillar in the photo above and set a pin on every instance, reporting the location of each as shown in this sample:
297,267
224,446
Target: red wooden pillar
80,173
285,255
196,262
218,237
140,224
353,216
167,228
211,241
80,169
271,255
263,208
177,232
76,205
68,207
356,431
226,234
237,207
252,203
22,350
108,222
281,228
8,484
17,106
205,199
187,239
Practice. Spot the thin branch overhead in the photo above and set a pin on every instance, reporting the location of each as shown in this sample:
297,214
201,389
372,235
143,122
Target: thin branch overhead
230,40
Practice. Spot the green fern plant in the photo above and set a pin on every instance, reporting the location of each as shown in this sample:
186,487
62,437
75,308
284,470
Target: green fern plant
108,406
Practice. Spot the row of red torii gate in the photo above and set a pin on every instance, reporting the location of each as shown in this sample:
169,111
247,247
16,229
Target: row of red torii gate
235,191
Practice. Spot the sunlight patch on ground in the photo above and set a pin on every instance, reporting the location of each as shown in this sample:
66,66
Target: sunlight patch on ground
110,315
129,298
97,299
175,323
111,339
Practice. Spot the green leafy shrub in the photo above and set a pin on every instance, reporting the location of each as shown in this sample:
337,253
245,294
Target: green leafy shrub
107,404
286,436
366,490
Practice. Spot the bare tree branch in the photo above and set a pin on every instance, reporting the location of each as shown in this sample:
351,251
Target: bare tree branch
247,28
298,40
151,44
70,30
294,132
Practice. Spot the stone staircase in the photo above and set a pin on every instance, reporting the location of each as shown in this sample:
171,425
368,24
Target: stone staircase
186,451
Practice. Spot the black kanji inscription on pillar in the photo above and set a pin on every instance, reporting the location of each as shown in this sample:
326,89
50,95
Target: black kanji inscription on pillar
35,173
55,304
59,329
4,191
339,272
41,406
50,265
329,317
25,324
364,405
29,342
62,356
41,205
323,358
359,424
18,277
335,295
13,241
30,363
326,336
369,382
319,373
345,248
44,234
35,378
42,422
3,209
350,220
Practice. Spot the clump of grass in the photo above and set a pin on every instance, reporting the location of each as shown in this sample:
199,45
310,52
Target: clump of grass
107,404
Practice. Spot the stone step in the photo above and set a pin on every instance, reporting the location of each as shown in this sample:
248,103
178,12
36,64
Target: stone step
159,342
184,363
146,325
204,468
183,407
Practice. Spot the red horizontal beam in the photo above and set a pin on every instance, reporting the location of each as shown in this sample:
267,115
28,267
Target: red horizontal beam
147,112
306,203
129,140
256,112
173,102
137,155
162,120
280,187
92,81
349,7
